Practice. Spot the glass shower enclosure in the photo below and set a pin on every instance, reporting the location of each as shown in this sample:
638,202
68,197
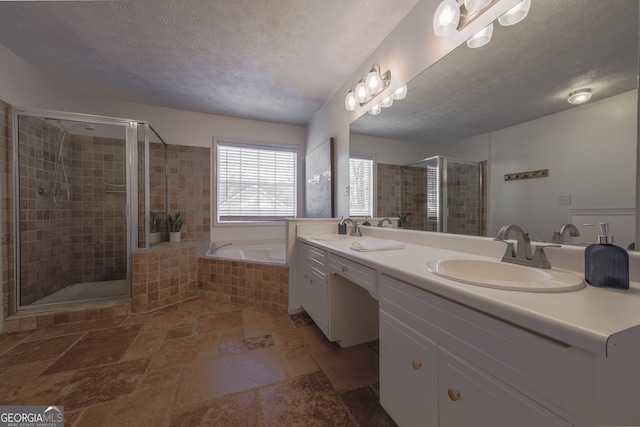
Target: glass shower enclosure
444,195
83,193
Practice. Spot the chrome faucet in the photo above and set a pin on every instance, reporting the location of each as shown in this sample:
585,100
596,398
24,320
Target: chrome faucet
355,228
382,221
522,253
214,248
558,235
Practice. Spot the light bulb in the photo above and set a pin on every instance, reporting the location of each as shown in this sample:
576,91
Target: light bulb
350,101
375,110
473,6
401,93
373,82
516,14
387,102
481,38
446,19
362,95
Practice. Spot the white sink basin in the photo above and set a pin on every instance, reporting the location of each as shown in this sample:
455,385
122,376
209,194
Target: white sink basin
502,275
329,237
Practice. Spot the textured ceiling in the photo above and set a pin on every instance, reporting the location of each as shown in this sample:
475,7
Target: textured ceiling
525,72
276,60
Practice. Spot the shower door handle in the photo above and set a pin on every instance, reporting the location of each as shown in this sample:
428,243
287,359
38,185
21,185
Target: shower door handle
126,210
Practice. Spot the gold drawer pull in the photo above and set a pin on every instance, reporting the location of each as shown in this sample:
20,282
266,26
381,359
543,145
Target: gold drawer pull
417,365
453,394
344,269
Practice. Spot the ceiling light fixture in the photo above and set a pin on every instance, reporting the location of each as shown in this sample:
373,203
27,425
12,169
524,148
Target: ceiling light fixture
579,96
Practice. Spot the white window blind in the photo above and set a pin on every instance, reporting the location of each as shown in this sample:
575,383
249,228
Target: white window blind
433,193
256,183
360,186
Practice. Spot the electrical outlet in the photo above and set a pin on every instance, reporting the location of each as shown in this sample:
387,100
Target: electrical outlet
564,200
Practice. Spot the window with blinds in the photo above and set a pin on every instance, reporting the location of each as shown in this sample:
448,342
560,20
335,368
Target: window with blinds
256,183
360,186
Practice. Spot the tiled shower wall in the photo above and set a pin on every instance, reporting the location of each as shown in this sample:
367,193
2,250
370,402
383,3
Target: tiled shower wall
389,182
463,186
6,209
69,238
190,189
46,224
99,196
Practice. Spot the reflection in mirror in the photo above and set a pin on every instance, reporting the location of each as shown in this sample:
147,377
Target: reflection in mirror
506,104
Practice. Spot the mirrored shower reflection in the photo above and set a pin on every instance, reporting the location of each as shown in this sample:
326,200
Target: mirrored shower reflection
72,193
444,195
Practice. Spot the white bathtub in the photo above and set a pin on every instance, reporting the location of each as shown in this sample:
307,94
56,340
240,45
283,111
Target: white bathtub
264,252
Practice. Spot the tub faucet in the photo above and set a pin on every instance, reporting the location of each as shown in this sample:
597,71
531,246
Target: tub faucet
214,248
382,221
558,235
522,254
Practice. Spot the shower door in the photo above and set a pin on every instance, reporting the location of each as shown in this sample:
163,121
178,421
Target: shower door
72,240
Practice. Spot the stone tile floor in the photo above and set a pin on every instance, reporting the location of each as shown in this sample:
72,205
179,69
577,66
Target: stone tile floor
197,363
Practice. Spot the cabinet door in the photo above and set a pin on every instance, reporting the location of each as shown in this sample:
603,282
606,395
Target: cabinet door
408,374
316,301
471,397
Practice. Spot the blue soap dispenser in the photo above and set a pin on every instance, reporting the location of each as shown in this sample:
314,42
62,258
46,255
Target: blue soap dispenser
605,264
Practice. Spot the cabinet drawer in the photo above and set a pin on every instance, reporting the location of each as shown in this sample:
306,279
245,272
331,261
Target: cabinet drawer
357,273
314,258
535,363
470,397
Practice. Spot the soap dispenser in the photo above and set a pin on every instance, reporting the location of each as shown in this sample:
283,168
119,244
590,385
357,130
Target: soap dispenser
606,265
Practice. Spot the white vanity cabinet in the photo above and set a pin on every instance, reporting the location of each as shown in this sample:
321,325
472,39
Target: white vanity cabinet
443,364
312,274
339,295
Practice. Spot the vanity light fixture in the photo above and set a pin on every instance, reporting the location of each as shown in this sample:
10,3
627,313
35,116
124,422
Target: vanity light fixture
387,102
367,88
516,14
446,19
452,15
375,110
579,96
474,6
401,93
350,101
481,38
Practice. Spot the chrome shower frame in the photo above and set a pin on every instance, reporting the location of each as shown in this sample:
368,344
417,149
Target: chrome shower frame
130,210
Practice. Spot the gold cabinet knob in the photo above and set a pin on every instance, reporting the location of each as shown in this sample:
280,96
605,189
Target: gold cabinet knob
453,394
344,269
417,365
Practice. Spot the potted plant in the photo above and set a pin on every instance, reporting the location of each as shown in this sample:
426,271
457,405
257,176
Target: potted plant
403,219
155,234
175,223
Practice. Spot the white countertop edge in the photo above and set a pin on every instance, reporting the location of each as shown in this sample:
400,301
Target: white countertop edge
586,318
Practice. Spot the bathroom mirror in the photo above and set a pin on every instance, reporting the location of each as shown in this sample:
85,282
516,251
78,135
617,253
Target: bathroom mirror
506,104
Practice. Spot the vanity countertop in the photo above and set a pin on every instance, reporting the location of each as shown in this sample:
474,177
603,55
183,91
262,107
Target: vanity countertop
603,321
